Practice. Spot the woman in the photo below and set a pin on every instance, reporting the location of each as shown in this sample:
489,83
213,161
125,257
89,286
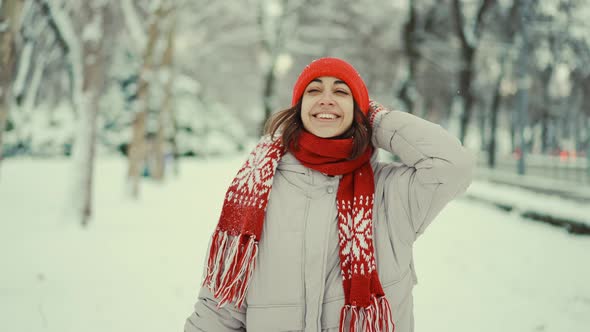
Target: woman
315,234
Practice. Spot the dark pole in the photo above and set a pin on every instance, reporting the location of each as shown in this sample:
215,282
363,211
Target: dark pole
587,150
523,84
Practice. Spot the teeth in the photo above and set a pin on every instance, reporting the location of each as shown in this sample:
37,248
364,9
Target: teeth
326,116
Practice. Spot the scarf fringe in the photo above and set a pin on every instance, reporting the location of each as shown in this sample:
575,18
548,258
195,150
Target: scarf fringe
374,318
229,267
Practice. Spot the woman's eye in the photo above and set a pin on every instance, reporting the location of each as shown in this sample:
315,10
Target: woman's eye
342,92
312,90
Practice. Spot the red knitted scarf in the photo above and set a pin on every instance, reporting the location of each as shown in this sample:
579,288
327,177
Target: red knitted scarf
234,245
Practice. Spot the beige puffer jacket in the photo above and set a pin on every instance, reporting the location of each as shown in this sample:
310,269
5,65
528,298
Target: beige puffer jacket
297,283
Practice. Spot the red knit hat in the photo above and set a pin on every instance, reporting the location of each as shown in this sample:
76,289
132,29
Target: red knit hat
337,68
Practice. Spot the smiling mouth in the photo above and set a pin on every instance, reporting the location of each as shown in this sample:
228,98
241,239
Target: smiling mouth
326,116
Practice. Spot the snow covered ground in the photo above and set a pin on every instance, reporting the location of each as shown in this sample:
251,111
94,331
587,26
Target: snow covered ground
526,201
138,265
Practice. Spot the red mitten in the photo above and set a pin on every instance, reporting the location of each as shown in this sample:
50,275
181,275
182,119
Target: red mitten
376,111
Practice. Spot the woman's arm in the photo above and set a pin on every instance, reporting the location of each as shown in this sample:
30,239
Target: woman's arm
207,318
436,168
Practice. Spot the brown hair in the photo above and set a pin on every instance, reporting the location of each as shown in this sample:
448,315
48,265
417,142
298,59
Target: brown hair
288,123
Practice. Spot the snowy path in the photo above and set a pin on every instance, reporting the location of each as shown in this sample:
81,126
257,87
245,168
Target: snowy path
481,269
138,267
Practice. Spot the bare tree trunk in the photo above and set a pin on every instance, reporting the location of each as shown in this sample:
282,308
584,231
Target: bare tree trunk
269,60
94,77
469,43
137,147
522,94
580,131
85,154
575,104
271,49
483,135
495,109
545,131
30,100
9,20
174,143
465,79
493,129
165,116
408,93
512,131
269,91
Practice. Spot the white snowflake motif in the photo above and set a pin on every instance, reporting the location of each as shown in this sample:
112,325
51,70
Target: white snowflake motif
258,169
355,235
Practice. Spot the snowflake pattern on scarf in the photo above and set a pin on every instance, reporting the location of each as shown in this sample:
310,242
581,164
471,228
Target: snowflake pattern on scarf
254,179
355,233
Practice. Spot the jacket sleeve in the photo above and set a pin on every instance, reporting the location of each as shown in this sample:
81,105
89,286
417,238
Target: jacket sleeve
435,168
207,318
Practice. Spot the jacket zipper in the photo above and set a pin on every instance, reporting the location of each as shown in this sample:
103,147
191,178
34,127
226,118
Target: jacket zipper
306,216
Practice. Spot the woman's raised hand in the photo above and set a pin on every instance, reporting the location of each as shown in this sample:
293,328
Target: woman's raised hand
376,110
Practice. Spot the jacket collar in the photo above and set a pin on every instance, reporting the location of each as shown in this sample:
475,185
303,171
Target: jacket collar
290,163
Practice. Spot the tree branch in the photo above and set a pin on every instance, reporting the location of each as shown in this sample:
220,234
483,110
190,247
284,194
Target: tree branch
485,6
460,23
470,38
66,33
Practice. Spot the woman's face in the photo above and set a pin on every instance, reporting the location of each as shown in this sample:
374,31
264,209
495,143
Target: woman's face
327,108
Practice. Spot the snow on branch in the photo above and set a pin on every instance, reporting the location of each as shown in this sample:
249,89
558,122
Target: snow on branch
134,25
23,68
65,28
25,11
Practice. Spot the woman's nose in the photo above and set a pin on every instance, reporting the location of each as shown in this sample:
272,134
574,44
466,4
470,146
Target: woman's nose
327,99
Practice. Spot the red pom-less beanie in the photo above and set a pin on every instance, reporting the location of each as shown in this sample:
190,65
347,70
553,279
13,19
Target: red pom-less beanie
337,68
